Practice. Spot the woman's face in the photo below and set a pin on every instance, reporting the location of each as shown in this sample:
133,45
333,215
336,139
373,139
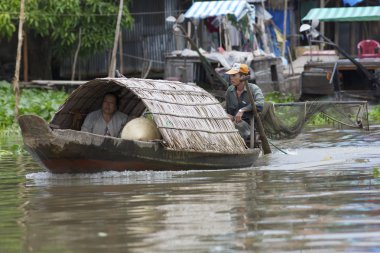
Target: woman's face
235,79
109,104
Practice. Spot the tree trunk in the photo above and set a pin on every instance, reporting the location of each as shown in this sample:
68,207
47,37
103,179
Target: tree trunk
16,87
76,54
112,67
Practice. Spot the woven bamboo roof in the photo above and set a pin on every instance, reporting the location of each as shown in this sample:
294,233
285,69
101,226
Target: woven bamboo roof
188,117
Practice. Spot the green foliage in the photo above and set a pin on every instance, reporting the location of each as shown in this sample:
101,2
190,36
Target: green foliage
374,114
7,104
42,103
7,27
10,131
14,150
277,97
33,101
60,22
318,120
376,172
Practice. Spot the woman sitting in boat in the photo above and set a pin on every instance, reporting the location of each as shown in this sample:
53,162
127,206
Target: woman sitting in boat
107,120
238,105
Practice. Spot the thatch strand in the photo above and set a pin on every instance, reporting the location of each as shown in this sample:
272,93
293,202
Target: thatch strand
211,111
187,116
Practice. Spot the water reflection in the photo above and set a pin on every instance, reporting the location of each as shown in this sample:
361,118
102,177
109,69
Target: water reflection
322,197
140,217
12,194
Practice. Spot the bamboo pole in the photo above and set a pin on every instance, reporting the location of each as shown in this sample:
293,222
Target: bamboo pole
76,54
210,71
227,41
322,103
25,57
284,27
112,68
291,60
121,53
188,34
15,82
264,35
252,131
220,34
260,127
322,25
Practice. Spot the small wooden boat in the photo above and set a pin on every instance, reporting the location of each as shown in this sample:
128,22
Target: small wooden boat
196,132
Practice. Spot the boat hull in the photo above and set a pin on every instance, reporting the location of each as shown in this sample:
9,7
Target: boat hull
70,151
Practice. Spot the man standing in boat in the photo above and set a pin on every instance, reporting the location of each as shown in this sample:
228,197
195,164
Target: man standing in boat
238,105
107,120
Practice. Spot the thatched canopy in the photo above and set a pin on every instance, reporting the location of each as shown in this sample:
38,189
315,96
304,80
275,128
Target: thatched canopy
188,117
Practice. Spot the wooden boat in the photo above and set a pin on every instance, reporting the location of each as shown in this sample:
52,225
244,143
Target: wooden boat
196,132
341,78
357,78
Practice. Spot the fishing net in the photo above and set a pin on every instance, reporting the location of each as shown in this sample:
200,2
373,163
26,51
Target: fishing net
286,120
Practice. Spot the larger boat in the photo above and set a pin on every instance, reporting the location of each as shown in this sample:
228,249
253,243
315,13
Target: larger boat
196,131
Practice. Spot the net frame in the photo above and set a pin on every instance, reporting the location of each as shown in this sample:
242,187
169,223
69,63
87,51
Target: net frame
341,114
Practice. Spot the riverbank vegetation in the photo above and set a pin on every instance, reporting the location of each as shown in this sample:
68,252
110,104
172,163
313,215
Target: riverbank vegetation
320,119
46,102
373,117
33,101
374,114
277,97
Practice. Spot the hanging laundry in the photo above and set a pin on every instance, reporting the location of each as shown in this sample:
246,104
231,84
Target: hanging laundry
352,2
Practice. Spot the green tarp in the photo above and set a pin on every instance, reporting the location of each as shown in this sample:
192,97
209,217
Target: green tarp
369,13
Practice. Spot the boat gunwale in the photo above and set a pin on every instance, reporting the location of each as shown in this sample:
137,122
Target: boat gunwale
158,143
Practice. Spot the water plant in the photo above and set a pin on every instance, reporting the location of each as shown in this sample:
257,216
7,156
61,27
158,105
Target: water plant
33,101
374,114
318,120
277,97
13,150
376,172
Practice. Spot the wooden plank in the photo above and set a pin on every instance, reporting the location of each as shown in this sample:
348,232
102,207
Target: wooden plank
52,84
58,82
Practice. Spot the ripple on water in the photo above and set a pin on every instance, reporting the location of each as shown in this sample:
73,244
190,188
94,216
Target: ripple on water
111,177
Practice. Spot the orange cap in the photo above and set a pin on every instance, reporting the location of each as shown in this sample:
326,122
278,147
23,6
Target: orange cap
238,68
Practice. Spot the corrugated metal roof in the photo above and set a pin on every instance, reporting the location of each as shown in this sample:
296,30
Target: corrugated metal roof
369,13
220,8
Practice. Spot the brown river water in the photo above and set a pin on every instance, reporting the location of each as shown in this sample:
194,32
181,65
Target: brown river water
322,196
